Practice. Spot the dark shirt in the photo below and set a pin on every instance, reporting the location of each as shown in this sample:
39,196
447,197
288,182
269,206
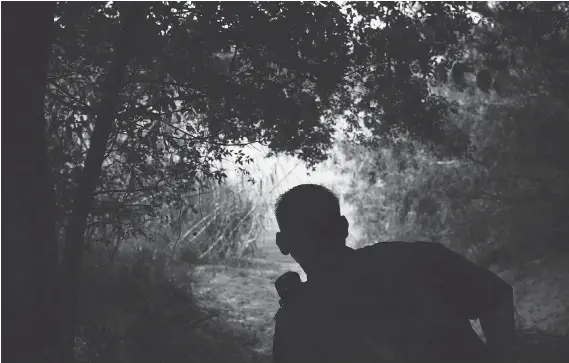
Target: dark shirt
390,302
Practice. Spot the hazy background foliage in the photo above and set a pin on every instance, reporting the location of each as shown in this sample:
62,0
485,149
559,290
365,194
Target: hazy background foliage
454,123
505,199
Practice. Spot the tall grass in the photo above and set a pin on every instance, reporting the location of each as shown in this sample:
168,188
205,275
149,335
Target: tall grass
217,222
138,308
136,300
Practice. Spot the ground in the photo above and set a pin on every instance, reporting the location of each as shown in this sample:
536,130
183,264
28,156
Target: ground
244,295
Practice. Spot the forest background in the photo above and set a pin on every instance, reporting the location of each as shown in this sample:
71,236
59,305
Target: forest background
140,206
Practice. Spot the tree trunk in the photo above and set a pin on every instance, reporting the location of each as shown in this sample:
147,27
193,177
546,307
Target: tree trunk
106,114
31,306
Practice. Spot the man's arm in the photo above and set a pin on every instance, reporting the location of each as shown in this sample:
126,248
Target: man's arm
498,325
479,294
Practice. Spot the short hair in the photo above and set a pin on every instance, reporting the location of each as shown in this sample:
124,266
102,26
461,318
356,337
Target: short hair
305,198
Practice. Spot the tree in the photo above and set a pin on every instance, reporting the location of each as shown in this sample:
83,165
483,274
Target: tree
151,105
507,194
104,120
398,48
204,78
32,323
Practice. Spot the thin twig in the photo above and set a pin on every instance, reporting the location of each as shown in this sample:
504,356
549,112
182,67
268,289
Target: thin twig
250,211
201,320
179,234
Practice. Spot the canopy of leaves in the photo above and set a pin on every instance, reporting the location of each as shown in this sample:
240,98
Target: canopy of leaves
201,78
397,49
509,192
207,76
204,77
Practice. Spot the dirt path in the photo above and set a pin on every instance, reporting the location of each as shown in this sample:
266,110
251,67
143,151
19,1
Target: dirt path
245,296
541,291
242,297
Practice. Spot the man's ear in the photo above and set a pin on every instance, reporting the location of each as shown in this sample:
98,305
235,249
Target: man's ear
345,226
281,243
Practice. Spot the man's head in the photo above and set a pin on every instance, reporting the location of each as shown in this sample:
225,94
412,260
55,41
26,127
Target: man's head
310,222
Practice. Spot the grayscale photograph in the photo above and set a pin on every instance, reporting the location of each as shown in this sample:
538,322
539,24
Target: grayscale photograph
285,181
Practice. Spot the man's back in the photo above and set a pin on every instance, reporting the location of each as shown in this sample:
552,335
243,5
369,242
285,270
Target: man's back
393,302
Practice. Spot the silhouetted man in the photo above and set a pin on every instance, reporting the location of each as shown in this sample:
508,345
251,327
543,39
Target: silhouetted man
390,302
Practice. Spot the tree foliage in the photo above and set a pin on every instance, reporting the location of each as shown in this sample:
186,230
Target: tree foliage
146,100
506,197
393,64
200,78
150,97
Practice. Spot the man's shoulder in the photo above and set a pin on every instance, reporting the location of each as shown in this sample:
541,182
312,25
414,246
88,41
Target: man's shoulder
401,257
395,249
398,244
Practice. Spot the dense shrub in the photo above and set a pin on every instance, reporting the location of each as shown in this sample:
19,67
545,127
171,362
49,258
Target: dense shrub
508,193
131,312
137,308
136,297
217,222
505,200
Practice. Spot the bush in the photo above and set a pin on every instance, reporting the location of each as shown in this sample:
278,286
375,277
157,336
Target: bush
137,308
506,197
130,310
505,201
136,299
219,221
